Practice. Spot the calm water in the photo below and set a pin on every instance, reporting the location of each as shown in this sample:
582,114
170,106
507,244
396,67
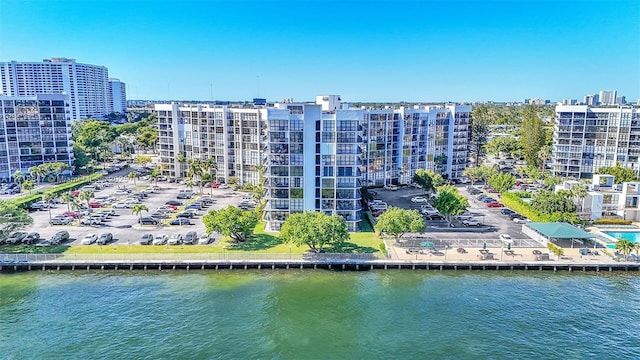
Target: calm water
319,315
629,235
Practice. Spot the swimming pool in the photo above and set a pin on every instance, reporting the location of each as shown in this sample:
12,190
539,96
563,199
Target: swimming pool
633,236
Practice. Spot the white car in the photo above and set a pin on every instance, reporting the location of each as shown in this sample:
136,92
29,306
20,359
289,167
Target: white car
471,222
505,237
418,199
89,239
160,239
223,186
391,187
521,221
204,239
122,205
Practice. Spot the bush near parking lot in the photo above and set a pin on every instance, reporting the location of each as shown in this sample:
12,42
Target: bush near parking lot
515,203
26,201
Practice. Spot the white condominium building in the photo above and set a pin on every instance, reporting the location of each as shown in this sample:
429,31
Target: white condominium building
33,130
117,96
587,138
314,156
87,86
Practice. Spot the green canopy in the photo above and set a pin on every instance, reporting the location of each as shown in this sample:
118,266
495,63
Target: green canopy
560,230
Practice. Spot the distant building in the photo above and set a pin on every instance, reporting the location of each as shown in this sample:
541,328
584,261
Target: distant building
35,130
569,102
608,97
588,138
621,100
536,101
117,96
86,85
592,100
312,158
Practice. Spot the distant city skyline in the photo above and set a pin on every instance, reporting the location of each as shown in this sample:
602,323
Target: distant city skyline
373,51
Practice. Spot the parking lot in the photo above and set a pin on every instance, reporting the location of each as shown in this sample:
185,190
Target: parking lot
124,225
493,223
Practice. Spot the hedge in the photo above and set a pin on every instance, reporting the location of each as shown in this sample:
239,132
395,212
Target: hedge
515,203
26,201
612,222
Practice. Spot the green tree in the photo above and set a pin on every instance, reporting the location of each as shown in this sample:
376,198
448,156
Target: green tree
18,177
551,181
146,137
28,185
133,176
137,209
12,218
579,193
57,168
503,145
233,222
625,247
544,154
533,136
473,173
619,173
69,199
314,229
85,195
428,179
479,127
549,202
211,166
48,197
450,201
143,159
487,171
502,182
396,222
80,156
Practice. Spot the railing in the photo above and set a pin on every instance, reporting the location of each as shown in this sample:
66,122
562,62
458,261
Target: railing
184,257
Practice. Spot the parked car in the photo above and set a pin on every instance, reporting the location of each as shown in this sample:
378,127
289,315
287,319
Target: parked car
204,239
146,239
190,238
185,214
159,215
71,214
59,238
16,238
95,205
488,200
91,221
391,187
122,205
175,239
61,220
505,237
506,211
195,205
160,239
494,204
180,221
418,199
89,239
215,185
148,221
521,220
435,217
173,203
104,238
471,222
184,196
223,186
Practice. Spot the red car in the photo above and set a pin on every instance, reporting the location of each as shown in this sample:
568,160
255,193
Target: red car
215,185
493,191
75,193
95,205
494,204
172,207
71,214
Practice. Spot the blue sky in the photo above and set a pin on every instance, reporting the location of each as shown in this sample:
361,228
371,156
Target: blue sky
363,50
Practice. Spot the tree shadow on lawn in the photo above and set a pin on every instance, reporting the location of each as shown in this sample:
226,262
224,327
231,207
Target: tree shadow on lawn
257,242
347,247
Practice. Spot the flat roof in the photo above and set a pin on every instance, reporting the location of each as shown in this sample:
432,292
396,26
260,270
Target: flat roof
560,230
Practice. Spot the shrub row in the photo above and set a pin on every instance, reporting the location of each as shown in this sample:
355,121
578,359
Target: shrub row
515,203
26,201
554,249
522,194
612,222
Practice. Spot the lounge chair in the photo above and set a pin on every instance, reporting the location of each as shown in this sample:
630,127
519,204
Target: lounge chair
462,250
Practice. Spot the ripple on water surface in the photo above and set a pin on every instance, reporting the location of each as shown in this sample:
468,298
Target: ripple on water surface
318,315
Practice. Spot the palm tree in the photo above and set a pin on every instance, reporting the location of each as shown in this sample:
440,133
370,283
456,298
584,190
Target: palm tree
28,185
196,168
625,247
134,176
579,192
138,209
69,199
18,177
85,195
35,172
47,197
212,167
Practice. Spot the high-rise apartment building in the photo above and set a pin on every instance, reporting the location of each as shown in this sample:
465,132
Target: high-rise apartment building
117,96
34,130
314,156
86,86
587,138
608,97
591,100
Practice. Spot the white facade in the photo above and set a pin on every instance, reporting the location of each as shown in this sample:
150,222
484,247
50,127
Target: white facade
34,130
117,96
586,139
86,85
314,159
604,198
608,97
